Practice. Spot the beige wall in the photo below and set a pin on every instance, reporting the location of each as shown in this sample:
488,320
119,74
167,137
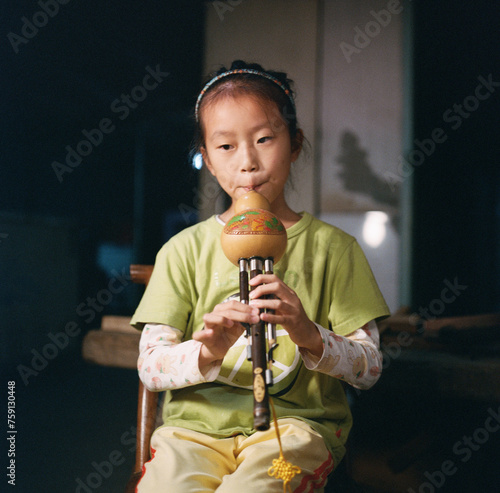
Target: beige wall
360,105
360,114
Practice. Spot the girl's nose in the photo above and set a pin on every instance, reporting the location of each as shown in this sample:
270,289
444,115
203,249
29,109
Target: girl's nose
248,161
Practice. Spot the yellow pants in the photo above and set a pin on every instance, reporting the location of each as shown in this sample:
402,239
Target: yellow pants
185,461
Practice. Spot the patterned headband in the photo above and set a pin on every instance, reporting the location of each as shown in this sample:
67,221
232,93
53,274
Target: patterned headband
242,71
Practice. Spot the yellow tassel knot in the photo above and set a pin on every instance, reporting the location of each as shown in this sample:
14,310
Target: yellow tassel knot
282,469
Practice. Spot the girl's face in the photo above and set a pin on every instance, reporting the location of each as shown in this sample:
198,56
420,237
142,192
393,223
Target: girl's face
248,147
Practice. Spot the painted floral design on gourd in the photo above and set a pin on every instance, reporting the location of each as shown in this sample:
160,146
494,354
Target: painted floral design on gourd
254,221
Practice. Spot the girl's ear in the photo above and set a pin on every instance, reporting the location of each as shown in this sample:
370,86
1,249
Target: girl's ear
204,155
297,143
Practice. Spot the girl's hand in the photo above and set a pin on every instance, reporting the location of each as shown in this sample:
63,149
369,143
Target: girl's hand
288,311
223,327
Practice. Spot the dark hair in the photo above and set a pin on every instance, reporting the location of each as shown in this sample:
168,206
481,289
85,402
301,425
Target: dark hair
251,84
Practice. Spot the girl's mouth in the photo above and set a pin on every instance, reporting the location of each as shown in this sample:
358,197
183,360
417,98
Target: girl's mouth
250,188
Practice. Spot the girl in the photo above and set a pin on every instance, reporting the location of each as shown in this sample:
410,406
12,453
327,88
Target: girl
325,302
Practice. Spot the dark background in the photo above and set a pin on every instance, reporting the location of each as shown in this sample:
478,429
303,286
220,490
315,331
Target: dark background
456,202
62,240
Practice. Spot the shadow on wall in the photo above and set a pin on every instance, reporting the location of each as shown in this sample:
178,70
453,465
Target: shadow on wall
357,175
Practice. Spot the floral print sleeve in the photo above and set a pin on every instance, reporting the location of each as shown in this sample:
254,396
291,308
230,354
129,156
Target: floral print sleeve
356,358
165,362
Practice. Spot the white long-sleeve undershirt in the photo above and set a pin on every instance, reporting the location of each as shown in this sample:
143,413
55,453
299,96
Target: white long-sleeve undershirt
166,362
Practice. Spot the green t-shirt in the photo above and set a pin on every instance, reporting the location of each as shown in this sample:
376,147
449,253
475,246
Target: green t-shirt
328,271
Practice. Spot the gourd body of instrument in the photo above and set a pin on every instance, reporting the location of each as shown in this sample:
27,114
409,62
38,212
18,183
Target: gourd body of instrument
253,231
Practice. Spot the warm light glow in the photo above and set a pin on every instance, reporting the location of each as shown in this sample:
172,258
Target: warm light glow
374,228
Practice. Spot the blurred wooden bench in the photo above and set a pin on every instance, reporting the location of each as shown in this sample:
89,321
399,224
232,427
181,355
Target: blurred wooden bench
115,344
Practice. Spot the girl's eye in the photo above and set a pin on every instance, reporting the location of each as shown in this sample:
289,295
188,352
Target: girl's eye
225,147
265,139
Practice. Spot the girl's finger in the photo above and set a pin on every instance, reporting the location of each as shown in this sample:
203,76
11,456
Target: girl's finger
216,320
263,278
227,317
233,307
281,291
270,304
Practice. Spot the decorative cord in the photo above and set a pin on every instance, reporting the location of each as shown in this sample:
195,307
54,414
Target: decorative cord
281,468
